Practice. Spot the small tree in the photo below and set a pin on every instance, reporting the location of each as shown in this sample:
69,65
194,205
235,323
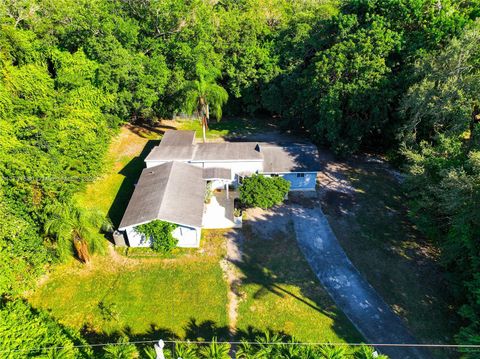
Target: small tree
263,192
160,232
74,230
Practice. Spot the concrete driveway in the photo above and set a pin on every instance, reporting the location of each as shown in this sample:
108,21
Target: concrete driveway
353,295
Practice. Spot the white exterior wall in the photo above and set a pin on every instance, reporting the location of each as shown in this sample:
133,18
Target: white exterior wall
219,184
154,163
236,166
188,237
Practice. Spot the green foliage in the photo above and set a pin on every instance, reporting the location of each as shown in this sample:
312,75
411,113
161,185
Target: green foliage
215,350
72,71
264,192
25,332
441,143
121,350
160,233
73,228
366,352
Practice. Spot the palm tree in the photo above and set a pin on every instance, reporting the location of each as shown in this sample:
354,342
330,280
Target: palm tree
215,350
204,96
74,228
121,350
332,352
367,352
185,351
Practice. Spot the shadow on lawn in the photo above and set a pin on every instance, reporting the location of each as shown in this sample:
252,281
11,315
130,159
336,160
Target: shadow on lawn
131,172
195,332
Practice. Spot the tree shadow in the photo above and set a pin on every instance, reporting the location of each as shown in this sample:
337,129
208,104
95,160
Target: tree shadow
273,262
131,172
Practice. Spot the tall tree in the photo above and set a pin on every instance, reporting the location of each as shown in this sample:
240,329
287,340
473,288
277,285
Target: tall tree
204,96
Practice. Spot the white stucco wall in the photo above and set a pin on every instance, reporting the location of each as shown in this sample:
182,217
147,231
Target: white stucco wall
235,166
188,237
154,163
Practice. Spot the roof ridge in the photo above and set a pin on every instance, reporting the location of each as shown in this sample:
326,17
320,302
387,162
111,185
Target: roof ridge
162,202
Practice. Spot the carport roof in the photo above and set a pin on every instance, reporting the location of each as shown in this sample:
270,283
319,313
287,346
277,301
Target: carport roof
174,146
290,158
172,192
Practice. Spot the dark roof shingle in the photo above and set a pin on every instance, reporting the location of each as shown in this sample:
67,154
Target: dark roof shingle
290,158
227,151
172,192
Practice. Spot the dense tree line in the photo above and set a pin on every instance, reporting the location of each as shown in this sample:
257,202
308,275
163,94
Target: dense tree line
395,76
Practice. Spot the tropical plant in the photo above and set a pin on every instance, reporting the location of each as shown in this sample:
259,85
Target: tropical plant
264,192
366,352
215,350
204,96
185,351
26,332
160,233
332,352
121,350
75,230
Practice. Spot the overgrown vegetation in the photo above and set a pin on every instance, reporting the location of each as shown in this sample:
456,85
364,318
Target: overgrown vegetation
262,191
397,76
160,233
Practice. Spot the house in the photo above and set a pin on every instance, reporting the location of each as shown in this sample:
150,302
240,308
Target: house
172,187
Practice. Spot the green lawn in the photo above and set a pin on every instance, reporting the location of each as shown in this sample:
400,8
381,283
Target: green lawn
183,297
228,127
281,293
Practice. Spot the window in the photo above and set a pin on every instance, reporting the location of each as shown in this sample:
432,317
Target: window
300,175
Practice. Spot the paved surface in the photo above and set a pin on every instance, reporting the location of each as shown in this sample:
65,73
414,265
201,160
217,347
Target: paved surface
353,295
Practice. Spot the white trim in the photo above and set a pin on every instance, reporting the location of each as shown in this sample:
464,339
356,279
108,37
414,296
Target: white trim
284,173
224,161
158,219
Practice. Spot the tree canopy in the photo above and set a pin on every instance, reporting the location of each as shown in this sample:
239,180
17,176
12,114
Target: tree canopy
396,77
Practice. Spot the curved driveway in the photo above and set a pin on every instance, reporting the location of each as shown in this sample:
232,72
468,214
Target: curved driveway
353,295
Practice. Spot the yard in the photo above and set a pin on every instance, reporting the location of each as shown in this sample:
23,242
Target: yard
184,295
281,293
147,298
363,201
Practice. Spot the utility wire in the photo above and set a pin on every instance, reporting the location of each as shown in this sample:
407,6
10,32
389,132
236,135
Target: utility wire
437,346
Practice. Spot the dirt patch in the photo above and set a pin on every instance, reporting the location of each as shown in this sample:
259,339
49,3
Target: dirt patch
233,277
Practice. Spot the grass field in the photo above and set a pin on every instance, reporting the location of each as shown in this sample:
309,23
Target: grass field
183,297
281,293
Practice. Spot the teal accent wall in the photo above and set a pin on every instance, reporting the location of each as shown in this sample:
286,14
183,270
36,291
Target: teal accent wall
299,182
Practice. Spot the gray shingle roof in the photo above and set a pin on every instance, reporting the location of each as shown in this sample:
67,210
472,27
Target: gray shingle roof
175,146
217,173
290,158
172,192
178,138
227,151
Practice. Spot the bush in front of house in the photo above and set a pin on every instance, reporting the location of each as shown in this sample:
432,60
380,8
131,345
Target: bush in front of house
263,192
161,234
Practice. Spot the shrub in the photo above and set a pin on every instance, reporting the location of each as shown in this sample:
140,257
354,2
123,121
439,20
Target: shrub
160,232
263,192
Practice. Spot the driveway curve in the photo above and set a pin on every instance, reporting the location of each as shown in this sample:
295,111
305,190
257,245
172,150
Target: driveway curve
372,317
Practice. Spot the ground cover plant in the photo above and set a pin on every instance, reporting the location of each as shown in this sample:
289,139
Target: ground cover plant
160,233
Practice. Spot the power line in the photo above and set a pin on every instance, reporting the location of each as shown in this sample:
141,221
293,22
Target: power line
416,345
